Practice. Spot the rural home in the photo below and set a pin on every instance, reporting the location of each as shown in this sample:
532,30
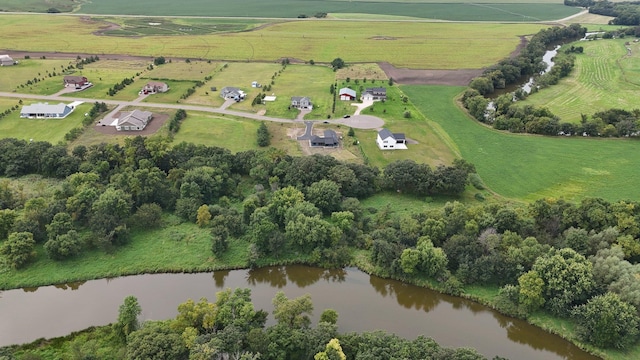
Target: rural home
375,94
301,102
45,111
153,87
389,141
330,139
76,81
134,120
6,60
347,94
232,93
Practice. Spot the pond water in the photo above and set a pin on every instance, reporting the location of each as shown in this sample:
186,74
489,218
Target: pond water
364,303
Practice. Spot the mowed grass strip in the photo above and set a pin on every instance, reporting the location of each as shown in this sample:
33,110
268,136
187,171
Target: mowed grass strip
405,44
605,76
445,10
526,167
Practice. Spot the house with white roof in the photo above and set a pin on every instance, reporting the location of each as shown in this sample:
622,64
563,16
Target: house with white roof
387,140
347,94
46,111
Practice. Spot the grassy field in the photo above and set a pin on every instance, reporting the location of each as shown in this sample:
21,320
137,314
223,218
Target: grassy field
444,10
605,76
529,167
11,77
175,248
181,70
404,44
143,26
37,5
51,130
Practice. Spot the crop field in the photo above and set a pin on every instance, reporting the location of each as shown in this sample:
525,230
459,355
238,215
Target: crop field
404,44
143,26
605,76
443,10
11,77
51,130
527,167
37,5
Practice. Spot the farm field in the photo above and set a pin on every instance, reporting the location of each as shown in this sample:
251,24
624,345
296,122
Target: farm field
404,44
51,130
444,10
145,26
526,167
604,77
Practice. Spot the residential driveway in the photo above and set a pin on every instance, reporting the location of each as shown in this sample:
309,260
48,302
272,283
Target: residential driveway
302,114
227,103
108,119
361,106
362,122
307,131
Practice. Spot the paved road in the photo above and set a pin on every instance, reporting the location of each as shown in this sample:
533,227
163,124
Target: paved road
358,122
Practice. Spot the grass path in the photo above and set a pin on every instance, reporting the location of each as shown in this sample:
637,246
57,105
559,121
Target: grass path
525,167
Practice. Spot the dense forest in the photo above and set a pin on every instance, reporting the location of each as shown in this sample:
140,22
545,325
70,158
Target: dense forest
574,261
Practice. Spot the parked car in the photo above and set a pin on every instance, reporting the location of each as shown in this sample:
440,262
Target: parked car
347,116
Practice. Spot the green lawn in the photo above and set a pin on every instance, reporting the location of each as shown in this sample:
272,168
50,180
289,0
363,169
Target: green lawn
11,77
528,167
177,247
105,74
216,130
51,130
180,70
604,77
176,90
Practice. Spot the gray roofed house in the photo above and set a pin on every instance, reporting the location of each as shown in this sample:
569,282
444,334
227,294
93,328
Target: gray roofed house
330,139
46,110
232,93
301,102
153,87
6,60
387,140
134,120
374,94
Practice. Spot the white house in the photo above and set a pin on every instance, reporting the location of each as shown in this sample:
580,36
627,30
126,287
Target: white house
301,102
232,93
46,111
6,60
389,141
153,87
375,94
135,120
347,94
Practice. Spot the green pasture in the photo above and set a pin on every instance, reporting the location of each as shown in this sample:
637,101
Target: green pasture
404,44
528,167
51,130
175,248
605,76
180,70
443,10
104,74
11,77
176,90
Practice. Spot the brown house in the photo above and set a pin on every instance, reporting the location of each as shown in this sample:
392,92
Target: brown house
77,81
153,87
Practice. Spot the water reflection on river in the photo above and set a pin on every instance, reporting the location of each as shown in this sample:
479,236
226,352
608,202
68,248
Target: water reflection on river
365,303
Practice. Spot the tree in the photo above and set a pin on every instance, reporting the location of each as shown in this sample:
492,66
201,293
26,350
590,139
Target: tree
110,211
127,317
159,60
325,195
19,249
531,296
282,200
337,63
425,259
329,316
7,217
156,341
200,316
607,322
204,216
148,216
61,224
333,351
64,246
292,313
264,138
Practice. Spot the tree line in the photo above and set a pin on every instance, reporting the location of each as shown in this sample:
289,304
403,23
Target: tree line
232,328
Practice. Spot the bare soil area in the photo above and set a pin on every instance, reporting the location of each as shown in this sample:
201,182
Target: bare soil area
156,122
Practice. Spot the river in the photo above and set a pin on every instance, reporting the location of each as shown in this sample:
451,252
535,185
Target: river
364,303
